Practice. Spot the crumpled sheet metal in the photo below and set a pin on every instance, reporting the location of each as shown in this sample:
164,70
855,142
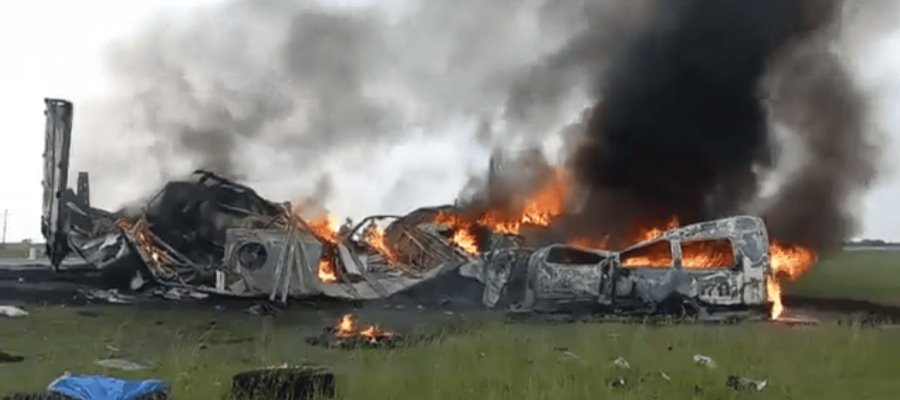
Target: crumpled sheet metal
252,257
554,283
494,270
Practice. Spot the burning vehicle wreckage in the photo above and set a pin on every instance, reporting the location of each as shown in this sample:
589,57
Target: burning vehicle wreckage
211,235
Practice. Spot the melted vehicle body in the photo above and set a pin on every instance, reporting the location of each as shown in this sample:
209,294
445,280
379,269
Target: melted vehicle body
716,265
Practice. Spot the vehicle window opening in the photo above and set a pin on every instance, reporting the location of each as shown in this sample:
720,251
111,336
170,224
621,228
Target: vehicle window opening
654,255
707,254
568,255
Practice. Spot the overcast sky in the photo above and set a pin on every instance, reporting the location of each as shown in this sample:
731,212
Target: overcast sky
54,48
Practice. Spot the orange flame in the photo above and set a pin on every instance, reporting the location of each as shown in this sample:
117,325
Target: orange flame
346,329
546,203
373,235
325,227
589,243
462,231
785,262
789,261
144,242
327,272
653,232
540,208
465,240
773,292
707,254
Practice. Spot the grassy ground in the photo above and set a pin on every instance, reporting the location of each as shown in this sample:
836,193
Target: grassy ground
13,250
859,275
197,351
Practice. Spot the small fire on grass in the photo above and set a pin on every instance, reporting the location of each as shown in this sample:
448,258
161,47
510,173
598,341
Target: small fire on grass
348,334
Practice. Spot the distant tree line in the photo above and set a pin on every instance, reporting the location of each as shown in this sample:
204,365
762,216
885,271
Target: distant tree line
870,243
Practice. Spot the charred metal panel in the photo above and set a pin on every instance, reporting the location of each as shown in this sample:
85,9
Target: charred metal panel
496,269
84,188
57,139
567,274
252,258
414,238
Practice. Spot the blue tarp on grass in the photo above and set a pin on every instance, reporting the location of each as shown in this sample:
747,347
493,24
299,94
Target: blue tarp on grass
92,387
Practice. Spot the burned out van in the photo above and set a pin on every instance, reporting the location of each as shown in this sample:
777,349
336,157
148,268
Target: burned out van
715,265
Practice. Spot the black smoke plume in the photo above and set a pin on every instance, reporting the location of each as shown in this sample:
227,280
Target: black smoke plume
681,127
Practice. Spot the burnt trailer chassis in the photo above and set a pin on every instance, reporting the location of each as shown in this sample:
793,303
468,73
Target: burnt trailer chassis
213,235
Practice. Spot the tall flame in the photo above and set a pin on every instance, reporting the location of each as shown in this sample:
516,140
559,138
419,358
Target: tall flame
789,261
465,240
462,235
327,272
373,235
773,292
786,262
653,232
326,228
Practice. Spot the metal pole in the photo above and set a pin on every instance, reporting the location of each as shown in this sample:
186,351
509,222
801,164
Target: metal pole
5,220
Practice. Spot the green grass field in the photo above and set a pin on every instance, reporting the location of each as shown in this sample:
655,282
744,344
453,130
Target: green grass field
859,275
13,250
489,359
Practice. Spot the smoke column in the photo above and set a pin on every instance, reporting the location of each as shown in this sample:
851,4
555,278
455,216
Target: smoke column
681,127
665,108
280,93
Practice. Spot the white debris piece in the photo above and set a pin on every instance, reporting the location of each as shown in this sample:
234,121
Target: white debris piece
12,312
742,383
705,361
124,365
622,363
665,376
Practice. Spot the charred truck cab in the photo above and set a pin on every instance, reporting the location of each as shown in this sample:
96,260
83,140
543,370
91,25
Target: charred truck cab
706,267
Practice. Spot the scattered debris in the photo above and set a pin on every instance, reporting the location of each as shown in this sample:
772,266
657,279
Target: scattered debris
569,354
346,335
120,364
796,320
621,363
705,361
284,382
262,308
740,383
111,296
665,376
618,382
10,358
176,293
12,312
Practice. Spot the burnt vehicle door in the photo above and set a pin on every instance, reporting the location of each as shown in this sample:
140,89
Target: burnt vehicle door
561,276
